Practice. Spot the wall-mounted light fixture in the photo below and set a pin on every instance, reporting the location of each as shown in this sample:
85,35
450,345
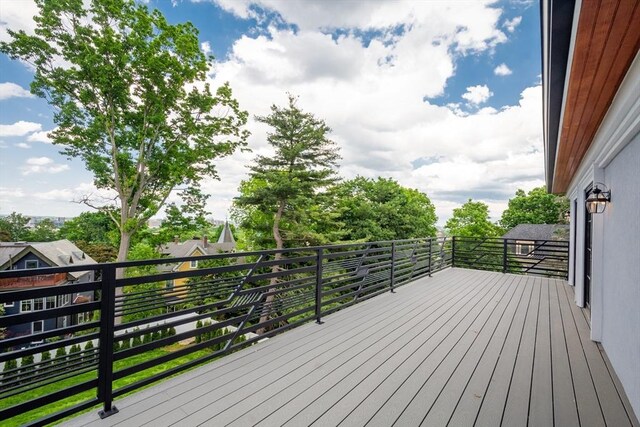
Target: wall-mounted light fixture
597,198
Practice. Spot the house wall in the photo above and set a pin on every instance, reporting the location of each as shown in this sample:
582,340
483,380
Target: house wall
180,285
614,159
621,269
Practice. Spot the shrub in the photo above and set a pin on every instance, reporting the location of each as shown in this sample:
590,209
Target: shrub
171,331
125,344
198,336
9,365
136,341
26,366
89,351
61,356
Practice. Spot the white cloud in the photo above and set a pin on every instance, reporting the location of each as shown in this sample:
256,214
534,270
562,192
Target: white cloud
206,47
12,90
502,70
511,24
42,165
20,128
22,145
42,136
477,94
17,15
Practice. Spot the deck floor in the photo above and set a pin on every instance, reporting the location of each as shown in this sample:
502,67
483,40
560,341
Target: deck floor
460,348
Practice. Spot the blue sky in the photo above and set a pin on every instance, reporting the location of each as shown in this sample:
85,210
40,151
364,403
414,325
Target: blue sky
442,96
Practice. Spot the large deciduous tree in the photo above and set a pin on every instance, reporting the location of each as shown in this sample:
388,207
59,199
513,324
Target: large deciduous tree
130,101
13,227
381,209
285,188
472,220
535,207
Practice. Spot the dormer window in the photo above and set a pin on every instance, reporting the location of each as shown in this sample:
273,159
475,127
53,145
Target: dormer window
194,264
31,263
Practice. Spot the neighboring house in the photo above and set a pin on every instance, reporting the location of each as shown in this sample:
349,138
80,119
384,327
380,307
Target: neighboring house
591,105
192,248
529,237
22,255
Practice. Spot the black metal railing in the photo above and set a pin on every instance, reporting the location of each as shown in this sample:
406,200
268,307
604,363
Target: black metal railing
138,322
540,257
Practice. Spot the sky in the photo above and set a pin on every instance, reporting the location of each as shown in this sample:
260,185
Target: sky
443,96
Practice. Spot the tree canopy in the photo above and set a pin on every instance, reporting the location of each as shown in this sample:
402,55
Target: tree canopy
281,202
13,227
536,207
472,220
381,209
130,101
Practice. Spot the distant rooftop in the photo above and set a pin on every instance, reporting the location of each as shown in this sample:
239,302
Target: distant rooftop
538,232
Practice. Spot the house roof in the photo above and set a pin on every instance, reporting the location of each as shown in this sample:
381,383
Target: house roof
587,50
537,232
226,243
58,253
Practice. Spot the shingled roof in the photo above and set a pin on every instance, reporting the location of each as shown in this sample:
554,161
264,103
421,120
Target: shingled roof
538,232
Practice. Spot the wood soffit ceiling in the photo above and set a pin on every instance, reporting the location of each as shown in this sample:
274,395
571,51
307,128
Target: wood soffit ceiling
607,41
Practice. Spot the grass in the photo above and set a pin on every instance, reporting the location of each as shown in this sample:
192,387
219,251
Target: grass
39,412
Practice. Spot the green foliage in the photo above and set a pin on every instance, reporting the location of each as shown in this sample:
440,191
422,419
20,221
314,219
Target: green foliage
198,337
44,231
472,220
10,364
89,351
136,341
91,228
283,190
535,207
45,359
171,331
381,209
116,346
125,343
142,251
127,102
14,227
26,366
61,356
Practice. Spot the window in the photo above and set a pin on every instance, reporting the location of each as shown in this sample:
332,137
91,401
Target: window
83,317
194,264
31,264
64,300
50,303
169,284
524,247
38,304
36,328
26,305
9,304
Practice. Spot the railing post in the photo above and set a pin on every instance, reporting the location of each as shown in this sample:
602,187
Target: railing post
430,254
504,255
453,252
107,319
319,286
393,266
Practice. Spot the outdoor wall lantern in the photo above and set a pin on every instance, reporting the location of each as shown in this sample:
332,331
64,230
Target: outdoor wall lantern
597,198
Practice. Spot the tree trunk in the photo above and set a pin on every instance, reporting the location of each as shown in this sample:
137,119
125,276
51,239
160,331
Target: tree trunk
278,256
123,250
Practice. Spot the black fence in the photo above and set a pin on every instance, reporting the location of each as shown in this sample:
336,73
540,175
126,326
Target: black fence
138,322
540,257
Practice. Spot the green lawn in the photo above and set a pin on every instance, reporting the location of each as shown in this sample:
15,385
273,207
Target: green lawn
87,395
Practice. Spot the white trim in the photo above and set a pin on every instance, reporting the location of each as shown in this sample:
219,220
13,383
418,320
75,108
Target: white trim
31,260
10,304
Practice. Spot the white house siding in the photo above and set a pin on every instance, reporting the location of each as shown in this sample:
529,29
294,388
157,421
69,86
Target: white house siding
621,269
614,159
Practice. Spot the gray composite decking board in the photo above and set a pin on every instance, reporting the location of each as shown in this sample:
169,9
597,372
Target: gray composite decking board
423,366
485,347
318,388
564,401
465,389
587,403
461,348
314,399
613,410
235,365
404,366
206,406
541,399
516,409
473,339
483,400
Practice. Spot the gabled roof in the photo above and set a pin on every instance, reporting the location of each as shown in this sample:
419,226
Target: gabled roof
538,232
226,236
59,253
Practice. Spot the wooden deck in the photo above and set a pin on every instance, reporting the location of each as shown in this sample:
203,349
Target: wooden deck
461,348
